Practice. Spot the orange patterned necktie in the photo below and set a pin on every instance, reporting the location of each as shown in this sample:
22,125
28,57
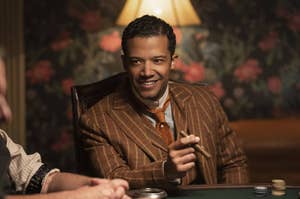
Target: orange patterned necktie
161,125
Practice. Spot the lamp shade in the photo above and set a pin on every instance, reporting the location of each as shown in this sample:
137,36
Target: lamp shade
175,12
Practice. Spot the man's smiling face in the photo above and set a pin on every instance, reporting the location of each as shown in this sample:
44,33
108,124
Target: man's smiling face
148,64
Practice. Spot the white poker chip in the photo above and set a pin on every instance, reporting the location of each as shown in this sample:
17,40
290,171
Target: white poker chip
260,190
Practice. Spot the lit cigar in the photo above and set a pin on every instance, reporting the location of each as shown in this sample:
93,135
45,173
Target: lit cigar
197,146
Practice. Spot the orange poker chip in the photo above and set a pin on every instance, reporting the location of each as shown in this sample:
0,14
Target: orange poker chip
278,193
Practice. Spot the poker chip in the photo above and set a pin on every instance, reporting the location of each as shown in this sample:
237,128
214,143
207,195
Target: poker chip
278,183
278,187
278,193
260,191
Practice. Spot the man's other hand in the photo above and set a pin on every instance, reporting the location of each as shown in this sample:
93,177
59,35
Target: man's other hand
181,157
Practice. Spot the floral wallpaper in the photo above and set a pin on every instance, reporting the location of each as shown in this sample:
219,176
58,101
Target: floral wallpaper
246,51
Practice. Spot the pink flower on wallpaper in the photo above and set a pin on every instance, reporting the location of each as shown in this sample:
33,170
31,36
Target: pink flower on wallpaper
178,35
217,89
111,42
294,22
180,65
201,35
248,71
64,142
41,72
274,84
66,85
61,42
269,42
195,72
90,21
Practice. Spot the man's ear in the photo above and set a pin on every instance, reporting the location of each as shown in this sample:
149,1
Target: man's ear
124,62
173,59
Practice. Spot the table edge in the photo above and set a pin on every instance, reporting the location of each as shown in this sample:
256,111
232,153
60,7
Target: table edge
227,186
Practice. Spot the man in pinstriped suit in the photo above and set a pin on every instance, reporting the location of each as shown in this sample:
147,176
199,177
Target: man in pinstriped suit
119,135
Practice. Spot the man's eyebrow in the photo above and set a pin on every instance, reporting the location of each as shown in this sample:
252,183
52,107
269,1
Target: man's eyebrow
133,57
154,57
160,56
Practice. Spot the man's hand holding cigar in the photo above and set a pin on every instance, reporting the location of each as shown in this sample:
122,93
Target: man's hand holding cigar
181,157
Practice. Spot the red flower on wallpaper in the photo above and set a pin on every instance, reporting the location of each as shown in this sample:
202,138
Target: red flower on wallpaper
178,35
217,89
248,71
111,42
294,22
41,72
61,42
269,42
66,85
90,21
274,84
194,72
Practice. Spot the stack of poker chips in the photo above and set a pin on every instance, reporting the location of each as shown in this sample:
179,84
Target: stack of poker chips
278,187
260,191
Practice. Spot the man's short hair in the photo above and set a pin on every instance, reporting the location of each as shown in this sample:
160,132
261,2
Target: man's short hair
148,26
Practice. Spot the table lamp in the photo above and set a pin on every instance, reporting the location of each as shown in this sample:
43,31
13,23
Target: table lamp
175,12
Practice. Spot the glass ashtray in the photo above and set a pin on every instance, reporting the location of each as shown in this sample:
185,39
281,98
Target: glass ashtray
151,193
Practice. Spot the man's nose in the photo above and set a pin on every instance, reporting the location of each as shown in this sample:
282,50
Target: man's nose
147,70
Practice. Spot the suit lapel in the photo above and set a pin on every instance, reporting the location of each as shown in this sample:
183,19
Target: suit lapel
153,136
136,126
183,113
206,165
179,97
179,115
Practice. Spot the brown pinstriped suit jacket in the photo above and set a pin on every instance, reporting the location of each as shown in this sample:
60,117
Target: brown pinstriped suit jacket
120,143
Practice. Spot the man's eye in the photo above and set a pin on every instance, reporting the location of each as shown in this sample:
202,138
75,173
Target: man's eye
158,61
135,61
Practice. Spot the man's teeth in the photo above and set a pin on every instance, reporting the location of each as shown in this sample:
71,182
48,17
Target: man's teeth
148,83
